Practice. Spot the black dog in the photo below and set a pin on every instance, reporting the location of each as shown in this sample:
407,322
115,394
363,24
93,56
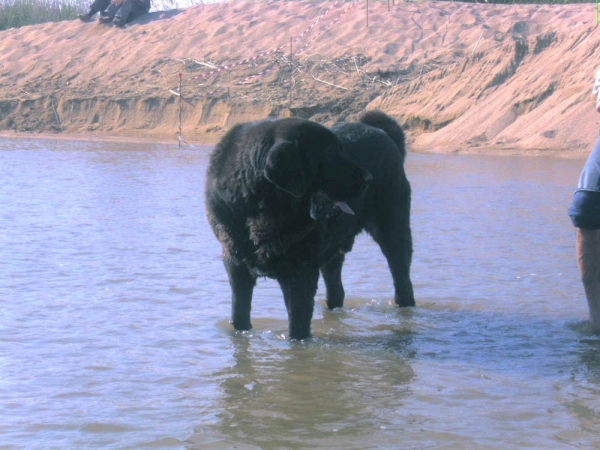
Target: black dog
286,199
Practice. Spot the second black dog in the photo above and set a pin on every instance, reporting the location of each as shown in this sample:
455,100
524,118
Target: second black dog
377,144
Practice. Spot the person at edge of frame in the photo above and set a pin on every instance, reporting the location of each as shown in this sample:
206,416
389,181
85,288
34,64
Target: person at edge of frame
119,12
585,216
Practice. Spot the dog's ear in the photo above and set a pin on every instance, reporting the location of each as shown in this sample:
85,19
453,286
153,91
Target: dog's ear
287,168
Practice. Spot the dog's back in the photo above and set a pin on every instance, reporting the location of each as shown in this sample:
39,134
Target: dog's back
378,119
376,143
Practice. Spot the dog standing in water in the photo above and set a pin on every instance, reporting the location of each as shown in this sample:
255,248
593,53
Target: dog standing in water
286,199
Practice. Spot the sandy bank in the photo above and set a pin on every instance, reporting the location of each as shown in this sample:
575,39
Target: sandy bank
459,77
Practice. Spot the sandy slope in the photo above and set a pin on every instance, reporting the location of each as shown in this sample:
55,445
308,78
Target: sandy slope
467,77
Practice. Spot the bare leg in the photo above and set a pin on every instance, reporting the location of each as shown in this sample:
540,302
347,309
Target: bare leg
588,260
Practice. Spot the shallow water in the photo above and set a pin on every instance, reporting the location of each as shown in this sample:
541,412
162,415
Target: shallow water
114,313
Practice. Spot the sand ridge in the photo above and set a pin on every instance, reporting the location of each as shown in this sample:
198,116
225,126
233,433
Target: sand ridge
462,77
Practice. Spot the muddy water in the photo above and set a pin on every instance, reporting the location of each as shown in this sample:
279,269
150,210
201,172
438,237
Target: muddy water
114,313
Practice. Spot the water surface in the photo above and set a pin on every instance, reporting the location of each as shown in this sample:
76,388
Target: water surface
114,310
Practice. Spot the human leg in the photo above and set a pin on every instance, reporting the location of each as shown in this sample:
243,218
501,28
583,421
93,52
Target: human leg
121,18
96,7
585,215
109,14
588,261
130,10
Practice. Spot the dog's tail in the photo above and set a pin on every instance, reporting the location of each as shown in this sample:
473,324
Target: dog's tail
381,120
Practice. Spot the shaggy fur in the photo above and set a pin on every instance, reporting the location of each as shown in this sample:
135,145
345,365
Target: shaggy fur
286,199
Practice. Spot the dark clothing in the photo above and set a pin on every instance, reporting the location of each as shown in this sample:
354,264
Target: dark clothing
98,6
590,176
128,10
585,209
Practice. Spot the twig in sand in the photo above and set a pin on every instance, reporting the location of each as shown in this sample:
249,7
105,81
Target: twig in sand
209,65
328,83
480,36
179,95
359,71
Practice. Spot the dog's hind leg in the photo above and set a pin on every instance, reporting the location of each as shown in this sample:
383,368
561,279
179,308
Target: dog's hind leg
242,286
332,275
398,257
391,230
299,289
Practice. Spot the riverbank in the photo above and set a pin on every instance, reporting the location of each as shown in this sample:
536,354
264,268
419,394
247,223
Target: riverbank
471,78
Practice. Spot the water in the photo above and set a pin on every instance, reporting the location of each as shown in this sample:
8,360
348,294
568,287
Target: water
114,312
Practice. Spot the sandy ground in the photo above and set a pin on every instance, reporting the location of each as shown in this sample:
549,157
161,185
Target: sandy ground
459,77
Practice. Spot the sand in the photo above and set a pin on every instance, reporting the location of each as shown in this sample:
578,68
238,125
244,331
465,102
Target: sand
470,78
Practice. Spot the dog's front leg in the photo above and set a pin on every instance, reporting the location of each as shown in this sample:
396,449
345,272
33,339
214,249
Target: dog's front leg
332,275
242,286
299,289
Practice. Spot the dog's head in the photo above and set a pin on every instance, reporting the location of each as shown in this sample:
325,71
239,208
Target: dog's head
306,158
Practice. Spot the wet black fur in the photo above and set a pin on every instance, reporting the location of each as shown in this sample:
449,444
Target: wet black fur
270,196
